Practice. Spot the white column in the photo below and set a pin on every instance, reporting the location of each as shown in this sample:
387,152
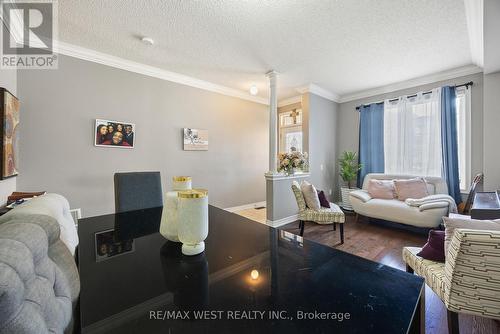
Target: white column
273,122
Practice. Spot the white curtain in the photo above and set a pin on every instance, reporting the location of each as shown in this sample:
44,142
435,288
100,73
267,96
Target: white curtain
412,135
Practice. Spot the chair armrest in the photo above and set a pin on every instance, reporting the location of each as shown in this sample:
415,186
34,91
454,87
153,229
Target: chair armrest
472,273
362,195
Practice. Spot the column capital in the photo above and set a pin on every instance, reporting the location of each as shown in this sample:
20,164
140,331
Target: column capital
272,74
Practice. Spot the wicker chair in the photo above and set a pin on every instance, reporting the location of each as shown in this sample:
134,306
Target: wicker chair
469,281
332,215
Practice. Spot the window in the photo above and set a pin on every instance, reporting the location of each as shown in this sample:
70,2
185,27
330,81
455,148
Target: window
290,131
412,135
463,134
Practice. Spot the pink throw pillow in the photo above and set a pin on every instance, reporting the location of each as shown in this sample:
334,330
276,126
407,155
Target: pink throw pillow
412,188
383,189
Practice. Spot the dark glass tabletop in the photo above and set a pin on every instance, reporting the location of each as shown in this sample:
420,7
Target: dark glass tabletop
135,281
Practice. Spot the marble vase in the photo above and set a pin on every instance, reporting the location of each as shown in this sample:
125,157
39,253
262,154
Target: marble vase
193,220
169,219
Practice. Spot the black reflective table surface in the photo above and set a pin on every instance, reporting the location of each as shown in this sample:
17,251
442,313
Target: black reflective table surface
135,281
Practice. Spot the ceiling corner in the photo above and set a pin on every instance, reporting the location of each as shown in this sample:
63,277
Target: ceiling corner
320,91
474,14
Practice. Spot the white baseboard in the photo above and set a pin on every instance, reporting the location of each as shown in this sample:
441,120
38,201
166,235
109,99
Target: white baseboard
282,221
246,206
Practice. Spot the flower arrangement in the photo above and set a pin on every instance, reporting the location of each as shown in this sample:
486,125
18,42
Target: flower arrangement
290,162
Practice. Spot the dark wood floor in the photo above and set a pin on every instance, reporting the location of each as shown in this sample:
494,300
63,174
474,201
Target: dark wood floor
384,244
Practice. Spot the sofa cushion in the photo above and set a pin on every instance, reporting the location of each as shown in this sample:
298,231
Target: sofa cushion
324,215
399,212
34,293
435,185
362,195
451,224
412,188
383,189
310,195
434,248
323,201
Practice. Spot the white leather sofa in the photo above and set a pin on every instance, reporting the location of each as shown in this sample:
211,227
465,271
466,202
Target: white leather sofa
398,211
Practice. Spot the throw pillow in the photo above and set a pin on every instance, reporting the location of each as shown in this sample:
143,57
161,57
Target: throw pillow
322,199
412,188
310,195
434,248
451,224
383,189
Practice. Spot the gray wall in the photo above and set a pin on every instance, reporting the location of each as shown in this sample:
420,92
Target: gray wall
492,131
58,112
319,127
281,202
8,80
323,126
348,117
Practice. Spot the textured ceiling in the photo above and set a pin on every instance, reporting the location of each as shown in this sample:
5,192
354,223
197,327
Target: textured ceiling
343,46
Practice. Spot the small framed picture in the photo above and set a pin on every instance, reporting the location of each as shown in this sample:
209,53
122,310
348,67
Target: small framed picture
114,134
195,139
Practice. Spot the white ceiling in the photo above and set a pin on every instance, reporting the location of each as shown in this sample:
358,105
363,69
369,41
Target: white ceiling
342,46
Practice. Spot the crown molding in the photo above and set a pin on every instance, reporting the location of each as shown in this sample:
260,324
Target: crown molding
155,72
474,14
290,100
424,80
136,67
317,90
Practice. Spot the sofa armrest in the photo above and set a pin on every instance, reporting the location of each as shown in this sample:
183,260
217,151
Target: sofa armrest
472,273
433,205
362,195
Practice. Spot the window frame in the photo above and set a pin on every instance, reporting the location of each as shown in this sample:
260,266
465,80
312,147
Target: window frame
466,91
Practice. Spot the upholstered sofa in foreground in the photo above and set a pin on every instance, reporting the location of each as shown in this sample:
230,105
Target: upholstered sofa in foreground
398,211
39,280
469,280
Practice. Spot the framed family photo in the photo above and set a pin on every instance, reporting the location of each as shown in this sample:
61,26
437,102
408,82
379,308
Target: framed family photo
114,134
9,115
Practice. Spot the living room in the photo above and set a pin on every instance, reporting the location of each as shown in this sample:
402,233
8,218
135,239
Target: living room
251,166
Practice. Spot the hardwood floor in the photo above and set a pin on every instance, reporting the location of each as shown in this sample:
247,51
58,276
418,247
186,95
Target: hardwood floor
258,215
384,244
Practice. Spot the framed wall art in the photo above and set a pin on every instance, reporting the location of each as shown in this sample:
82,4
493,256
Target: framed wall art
195,139
9,115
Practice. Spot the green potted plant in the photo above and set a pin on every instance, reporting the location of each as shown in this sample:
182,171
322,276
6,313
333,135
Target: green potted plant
349,168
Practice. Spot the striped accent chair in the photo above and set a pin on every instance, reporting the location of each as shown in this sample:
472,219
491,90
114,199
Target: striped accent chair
332,215
469,280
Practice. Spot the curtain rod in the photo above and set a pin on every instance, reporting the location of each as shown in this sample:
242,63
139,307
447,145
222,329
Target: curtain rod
467,84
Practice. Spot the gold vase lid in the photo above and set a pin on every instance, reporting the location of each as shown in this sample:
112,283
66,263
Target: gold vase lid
181,178
193,193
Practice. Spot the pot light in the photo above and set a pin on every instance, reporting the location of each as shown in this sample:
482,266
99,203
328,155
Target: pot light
254,274
254,90
148,40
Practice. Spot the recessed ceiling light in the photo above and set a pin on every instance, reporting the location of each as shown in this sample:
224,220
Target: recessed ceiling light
254,90
148,41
